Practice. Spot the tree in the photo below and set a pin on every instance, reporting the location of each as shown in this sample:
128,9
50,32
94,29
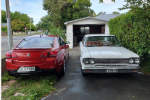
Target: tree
3,16
61,11
115,12
33,28
21,16
15,15
101,13
17,25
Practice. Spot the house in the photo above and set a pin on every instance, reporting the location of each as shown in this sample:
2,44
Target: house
76,29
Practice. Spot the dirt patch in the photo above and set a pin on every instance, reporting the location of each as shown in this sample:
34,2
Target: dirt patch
3,66
7,86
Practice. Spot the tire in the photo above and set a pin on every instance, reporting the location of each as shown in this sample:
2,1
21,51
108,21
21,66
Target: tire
83,74
62,72
68,54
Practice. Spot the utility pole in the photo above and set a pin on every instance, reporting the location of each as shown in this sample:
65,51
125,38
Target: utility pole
9,31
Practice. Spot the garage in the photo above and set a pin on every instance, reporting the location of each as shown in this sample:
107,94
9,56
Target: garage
76,29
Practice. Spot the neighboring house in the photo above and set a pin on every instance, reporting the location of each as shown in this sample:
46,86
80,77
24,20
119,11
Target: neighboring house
76,29
3,24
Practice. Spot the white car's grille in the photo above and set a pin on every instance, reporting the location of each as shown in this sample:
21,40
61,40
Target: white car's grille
111,60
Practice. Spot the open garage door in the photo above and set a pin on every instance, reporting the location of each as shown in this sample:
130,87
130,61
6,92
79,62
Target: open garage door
80,30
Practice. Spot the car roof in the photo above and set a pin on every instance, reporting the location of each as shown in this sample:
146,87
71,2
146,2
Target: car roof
42,36
88,35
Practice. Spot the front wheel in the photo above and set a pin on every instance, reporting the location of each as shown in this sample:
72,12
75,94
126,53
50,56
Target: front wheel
62,72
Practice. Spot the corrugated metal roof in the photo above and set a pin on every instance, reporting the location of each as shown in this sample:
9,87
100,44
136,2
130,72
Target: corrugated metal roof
3,24
105,17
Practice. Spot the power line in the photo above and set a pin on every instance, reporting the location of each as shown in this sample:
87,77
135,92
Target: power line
37,3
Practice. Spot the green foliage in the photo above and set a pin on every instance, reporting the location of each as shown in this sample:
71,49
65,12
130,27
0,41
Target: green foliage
115,12
33,27
45,22
3,16
33,88
4,29
17,25
59,12
21,16
15,15
146,65
6,77
101,13
133,30
58,31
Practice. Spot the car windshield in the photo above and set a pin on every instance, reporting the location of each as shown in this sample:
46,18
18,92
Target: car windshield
96,41
36,42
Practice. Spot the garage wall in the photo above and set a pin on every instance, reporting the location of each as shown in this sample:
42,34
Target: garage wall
69,28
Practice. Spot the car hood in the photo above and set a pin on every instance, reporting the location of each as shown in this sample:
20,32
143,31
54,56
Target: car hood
110,52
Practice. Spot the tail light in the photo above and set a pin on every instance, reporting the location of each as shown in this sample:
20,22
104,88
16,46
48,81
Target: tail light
53,53
49,54
8,55
11,55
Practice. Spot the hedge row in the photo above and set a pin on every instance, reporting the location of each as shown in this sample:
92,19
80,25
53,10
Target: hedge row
133,30
4,29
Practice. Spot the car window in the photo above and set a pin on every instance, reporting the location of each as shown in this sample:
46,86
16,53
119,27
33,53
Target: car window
37,42
102,41
61,41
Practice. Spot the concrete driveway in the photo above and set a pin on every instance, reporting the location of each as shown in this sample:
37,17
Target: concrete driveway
73,86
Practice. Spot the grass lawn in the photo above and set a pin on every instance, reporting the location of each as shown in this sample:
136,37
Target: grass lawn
32,87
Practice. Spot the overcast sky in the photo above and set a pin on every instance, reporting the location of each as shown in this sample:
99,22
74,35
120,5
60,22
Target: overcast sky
34,8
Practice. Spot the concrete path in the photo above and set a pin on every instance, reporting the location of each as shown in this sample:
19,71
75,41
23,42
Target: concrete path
73,86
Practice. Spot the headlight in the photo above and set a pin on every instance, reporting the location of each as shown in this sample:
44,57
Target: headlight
92,61
86,61
131,61
136,60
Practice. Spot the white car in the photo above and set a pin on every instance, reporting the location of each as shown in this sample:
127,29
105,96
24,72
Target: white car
104,54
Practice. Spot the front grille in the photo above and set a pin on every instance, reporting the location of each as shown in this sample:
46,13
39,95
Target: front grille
111,60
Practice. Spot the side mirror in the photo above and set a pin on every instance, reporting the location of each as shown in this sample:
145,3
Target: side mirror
67,42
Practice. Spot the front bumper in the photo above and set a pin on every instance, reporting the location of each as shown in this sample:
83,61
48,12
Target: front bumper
105,71
103,68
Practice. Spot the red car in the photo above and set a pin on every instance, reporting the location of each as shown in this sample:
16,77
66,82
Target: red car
38,54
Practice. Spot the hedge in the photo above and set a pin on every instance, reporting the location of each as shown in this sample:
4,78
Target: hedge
133,31
4,29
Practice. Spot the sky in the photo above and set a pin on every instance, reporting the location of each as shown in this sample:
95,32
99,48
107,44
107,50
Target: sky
34,8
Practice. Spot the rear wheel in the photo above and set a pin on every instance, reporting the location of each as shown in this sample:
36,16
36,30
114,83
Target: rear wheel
62,72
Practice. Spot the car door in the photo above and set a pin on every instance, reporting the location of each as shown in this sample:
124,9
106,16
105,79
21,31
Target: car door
65,47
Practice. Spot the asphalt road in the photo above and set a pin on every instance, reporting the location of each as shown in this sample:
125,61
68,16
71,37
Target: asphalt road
73,86
4,43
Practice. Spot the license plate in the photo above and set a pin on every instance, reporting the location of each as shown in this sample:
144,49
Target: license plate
28,68
111,70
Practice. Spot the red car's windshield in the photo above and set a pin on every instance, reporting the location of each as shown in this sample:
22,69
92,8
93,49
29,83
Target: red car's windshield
36,42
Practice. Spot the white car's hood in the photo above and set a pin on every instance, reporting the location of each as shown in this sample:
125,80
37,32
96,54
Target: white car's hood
110,52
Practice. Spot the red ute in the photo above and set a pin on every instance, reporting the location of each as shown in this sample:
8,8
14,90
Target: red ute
38,55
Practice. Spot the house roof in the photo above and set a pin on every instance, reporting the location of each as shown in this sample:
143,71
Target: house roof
3,24
104,17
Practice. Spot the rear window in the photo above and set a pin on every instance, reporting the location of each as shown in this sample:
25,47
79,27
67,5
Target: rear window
37,42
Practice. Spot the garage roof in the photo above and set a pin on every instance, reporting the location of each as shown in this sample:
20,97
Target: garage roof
104,17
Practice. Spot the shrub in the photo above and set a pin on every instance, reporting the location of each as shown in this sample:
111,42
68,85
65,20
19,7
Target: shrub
4,29
133,30
58,31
